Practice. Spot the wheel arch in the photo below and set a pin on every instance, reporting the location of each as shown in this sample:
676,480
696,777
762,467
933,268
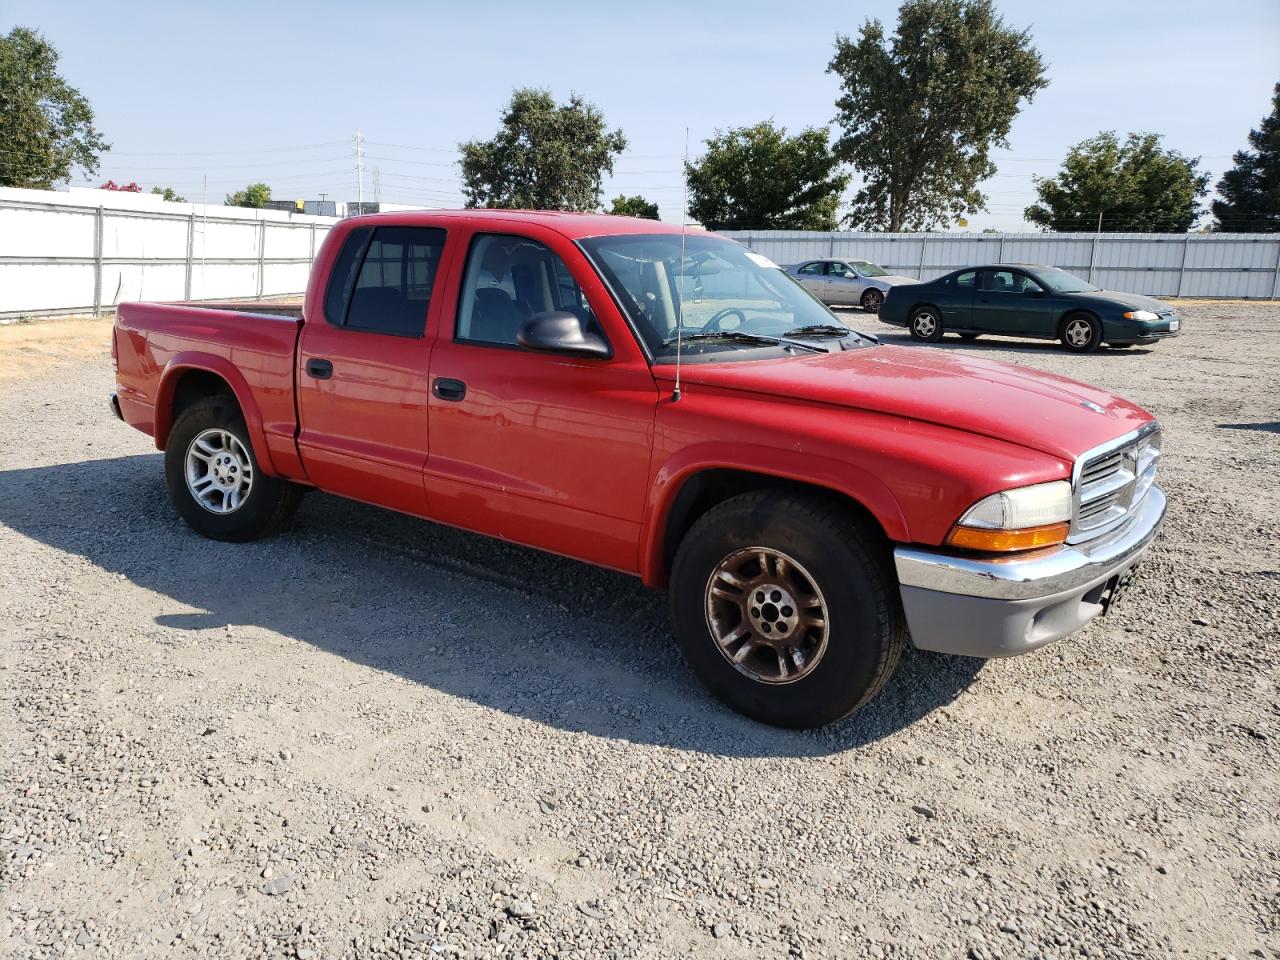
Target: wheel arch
189,377
684,495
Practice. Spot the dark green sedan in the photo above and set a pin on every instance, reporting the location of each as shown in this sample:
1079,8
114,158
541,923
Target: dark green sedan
1021,300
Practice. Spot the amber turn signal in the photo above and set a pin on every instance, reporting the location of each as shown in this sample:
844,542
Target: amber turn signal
1007,541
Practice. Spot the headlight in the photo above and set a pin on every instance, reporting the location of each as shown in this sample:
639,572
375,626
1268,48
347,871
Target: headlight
1140,315
1019,519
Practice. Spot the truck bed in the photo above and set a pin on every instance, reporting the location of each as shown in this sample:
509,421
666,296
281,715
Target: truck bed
250,345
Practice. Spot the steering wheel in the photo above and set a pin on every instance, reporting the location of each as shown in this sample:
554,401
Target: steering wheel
713,325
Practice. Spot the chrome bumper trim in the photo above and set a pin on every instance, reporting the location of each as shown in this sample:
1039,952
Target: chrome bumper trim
1040,574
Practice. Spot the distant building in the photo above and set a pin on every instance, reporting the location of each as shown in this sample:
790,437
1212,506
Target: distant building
355,208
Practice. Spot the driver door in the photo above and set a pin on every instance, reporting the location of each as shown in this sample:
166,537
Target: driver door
1011,302
844,284
540,448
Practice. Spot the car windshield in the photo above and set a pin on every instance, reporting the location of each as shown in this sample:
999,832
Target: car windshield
721,286
1059,281
868,269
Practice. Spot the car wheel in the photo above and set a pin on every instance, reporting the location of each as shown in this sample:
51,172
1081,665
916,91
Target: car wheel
215,480
1081,333
926,324
871,300
784,606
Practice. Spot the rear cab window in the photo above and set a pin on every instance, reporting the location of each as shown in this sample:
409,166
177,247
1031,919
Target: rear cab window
382,280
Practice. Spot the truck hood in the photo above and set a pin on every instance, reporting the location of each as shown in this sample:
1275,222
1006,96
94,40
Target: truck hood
1041,411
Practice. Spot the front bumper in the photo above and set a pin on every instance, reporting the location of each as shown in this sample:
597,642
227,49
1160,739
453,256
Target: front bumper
981,607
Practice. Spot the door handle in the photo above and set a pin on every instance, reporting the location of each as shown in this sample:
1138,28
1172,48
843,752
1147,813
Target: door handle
319,368
447,389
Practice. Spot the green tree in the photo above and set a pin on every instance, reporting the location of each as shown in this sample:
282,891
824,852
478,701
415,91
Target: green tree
637,206
46,125
545,156
1250,191
168,193
1135,186
759,177
254,195
920,111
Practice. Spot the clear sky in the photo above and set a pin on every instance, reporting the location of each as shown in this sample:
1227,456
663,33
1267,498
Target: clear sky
273,91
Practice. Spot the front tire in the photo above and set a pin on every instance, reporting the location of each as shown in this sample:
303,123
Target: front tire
1081,333
926,324
214,479
785,606
872,300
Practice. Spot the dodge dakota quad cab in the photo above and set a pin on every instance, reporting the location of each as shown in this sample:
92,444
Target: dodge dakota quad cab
674,406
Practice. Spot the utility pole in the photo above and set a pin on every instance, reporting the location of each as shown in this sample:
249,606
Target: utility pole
359,139
377,185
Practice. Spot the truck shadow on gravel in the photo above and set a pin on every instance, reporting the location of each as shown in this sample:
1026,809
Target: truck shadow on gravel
552,640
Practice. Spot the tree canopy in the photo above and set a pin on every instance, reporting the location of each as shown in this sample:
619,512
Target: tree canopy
921,110
1136,186
759,177
1250,191
545,156
637,206
168,193
254,195
46,125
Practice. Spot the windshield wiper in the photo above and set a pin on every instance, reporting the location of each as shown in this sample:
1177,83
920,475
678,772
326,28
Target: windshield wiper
754,337
821,330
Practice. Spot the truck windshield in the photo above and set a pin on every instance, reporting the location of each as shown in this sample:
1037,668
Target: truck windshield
719,286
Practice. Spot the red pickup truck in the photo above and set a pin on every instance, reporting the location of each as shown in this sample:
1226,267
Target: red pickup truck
669,404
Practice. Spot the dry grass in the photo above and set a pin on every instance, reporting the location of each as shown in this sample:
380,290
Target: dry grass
30,349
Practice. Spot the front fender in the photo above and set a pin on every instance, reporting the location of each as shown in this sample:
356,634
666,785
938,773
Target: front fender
181,363
837,476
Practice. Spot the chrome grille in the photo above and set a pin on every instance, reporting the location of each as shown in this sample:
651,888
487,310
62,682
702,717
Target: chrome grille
1109,481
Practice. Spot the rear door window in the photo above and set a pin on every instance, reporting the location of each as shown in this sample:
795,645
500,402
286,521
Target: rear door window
390,290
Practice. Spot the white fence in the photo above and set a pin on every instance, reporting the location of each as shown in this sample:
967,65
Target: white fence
86,251
1244,265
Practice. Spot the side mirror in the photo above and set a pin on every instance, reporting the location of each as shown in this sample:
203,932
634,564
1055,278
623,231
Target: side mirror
558,331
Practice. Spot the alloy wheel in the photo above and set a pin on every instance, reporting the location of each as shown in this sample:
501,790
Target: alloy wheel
767,615
1078,333
218,471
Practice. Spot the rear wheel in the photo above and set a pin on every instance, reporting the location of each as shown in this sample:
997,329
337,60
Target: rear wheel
926,324
1081,333
871,300
215,480
784,606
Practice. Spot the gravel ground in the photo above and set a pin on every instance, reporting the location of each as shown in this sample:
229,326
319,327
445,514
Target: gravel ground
376,737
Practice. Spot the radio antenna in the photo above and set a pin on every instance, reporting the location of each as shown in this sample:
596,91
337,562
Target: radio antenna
684,228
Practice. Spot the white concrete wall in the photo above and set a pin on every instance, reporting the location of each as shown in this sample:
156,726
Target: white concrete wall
1244,265
87,249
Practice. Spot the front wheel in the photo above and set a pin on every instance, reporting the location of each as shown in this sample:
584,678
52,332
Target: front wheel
215,480
785,608
1081,333
926,324
871,300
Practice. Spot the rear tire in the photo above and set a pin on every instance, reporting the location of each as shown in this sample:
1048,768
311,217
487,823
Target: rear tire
215,480
1081,333
926,324
829,631
872,300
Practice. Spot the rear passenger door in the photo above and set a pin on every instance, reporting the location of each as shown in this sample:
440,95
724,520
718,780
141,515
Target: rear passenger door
362,385
813,279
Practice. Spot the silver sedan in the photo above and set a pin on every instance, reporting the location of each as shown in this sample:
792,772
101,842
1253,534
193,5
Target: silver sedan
847,283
